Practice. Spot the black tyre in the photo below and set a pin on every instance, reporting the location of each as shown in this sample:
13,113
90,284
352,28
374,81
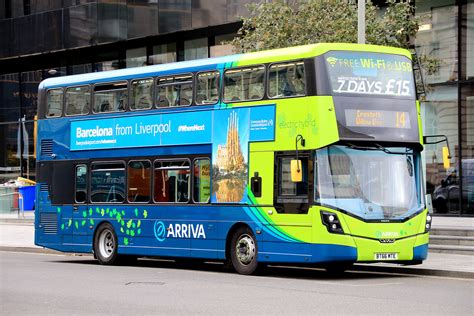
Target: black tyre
243,251
106,244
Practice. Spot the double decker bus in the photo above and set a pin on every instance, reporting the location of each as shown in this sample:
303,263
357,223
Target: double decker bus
305,155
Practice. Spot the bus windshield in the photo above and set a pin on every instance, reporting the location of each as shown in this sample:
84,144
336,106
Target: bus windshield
370,183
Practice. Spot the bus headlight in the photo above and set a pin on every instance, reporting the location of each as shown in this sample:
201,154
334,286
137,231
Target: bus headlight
428,222
332,223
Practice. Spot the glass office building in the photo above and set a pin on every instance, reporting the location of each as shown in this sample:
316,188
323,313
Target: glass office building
48,38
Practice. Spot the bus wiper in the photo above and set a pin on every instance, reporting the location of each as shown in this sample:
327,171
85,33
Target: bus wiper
379,147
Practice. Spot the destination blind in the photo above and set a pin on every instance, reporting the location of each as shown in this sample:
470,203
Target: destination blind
363,73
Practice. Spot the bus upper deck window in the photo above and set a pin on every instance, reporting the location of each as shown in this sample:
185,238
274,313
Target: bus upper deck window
175,91
207,87
286,80
110,97
78,100
244,84
54,101
142,94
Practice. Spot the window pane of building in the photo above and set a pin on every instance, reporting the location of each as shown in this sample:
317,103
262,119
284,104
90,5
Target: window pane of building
111,20
438,37
29,92
136,57
469,64
142,16
162,54
196,49
174,15
467,137
80,25
208,12
440,117
221,47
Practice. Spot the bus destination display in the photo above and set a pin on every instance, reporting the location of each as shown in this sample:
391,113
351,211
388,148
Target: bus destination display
370,74
377,118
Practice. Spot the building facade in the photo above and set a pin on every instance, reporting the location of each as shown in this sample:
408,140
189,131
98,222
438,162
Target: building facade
40,39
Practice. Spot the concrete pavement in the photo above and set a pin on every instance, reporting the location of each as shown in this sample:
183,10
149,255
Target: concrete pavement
18,235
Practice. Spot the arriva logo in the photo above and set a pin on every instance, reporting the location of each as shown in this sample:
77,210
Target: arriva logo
178,231
160,231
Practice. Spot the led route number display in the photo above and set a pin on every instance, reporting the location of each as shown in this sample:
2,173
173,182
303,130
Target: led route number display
370,118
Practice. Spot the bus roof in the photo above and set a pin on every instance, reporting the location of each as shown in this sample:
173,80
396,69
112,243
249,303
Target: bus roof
282,54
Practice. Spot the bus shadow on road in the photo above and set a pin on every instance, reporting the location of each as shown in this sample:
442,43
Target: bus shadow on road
274,271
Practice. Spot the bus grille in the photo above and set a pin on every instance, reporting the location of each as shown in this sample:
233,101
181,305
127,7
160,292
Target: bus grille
44,187
46,147
49,222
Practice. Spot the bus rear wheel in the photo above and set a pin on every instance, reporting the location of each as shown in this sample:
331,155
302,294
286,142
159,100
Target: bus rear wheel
243,251
105,244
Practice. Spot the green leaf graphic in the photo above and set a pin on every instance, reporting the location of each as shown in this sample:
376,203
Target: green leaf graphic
136,212
76,223
145,214
125,241
59,210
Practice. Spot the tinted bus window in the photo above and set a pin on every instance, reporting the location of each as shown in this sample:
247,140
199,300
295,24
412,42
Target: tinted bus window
171,181
139,181
108,182
81,184
207,88
111,97
175,91
78,100
142,94
244,84
54,101
202,180
286,80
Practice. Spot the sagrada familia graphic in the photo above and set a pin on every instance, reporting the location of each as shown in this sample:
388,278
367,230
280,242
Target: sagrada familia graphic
230,158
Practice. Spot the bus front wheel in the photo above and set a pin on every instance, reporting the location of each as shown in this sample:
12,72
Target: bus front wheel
243,251
105,244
